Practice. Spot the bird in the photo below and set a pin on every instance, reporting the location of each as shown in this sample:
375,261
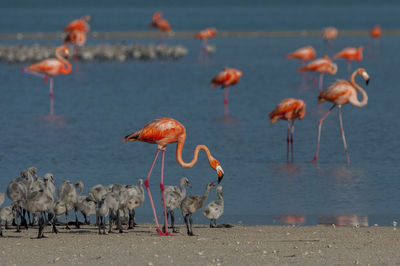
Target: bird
96,193
78,39
49,68
80,24
320,65
330,33
289,109
215,208
191,204
226,78
138,193
303,54
87,207
68,194
163,131
173,199
375,32
1,198
161,24
339,93
7,213
204,35
350,54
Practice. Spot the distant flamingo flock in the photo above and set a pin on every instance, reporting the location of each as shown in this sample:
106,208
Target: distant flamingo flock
32,195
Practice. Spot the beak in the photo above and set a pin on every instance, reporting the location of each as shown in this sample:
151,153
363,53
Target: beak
220,173
367,81
189,185
215,183
66,53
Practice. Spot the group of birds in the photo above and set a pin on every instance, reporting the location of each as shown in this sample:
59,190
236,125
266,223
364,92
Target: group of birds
33,197
339,93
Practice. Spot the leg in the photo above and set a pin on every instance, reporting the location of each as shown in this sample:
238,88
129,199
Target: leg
349,67
146,183
76,218
342,133
1,232
321,80
54,225
41,226
131,222
191,223
119,222
319,131
226,106
51,97
66,220
287,141
99,224
162,193
291,143
187,224
173,222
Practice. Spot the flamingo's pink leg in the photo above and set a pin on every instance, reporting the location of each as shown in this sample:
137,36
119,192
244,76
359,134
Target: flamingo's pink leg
291,138
40,75
287,141
342,133
51,94
146,183
162,194
319,131
349,67
321,80
226,106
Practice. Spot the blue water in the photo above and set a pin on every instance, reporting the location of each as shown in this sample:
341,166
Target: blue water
99,103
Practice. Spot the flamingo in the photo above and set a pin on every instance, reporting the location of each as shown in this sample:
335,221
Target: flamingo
163,131
350,54
226,78
303,54
320,65
51,67
376,34
329,34
80,24
289,109
160,23
339,93
78,38
204,35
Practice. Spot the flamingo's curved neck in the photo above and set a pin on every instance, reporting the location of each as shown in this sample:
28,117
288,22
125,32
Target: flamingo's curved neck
219,194
358,87
179,147
66,65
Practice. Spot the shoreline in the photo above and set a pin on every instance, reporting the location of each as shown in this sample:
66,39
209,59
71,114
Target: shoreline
239,245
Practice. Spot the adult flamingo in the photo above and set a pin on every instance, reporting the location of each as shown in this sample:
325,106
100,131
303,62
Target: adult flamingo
163,131
321,65
161,24
49,68
79,24
375,34
329,34
303,54
226,78
350,54
204,35
339,93
78,38
289,109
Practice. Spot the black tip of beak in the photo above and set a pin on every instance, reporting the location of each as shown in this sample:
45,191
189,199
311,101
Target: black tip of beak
367,81
220,179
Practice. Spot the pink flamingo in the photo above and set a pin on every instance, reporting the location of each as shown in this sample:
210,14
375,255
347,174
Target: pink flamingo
226,78
163,131
289,109
350,54
339,93
49,68
303,54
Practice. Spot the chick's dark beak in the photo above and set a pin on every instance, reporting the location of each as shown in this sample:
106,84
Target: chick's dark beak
367,81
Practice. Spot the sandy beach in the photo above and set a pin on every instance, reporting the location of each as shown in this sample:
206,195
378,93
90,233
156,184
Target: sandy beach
240,245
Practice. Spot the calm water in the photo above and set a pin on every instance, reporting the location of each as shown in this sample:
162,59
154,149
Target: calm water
99,103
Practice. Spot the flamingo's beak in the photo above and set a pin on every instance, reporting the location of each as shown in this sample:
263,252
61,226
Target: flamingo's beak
367,81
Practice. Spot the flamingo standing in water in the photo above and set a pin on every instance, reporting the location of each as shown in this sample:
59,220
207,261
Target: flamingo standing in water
339,93
289,109
163,131
226,78
204,35
303,54
161,24
350,54
49,68
375,34
329,34
320,65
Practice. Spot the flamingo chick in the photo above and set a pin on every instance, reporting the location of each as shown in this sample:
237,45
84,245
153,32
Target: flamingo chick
215,208
339,93
289,109
163,131
191,204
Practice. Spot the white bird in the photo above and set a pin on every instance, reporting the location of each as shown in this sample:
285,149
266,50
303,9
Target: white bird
215,208
192,203
68,194
6,214
138,193
96,194
87,207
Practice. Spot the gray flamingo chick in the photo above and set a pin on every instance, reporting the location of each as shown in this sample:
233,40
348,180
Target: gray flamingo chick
192,203
215,208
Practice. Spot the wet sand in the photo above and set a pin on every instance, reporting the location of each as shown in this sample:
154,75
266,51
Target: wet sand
240,245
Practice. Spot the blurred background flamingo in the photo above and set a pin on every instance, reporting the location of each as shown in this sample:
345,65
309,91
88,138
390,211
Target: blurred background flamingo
76,32
162,25
350,54
49,68
289,109
204,35
375,34
304,54
329,34
226,78
321,65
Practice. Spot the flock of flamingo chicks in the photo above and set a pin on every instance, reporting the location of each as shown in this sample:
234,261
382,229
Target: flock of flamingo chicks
163,131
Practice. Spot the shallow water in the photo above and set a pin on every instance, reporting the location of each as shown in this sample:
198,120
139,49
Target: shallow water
99,103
